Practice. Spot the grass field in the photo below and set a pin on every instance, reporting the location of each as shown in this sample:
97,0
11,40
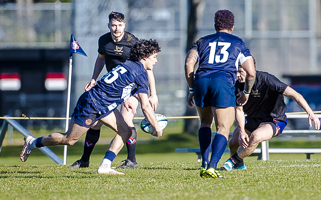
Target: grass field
162,174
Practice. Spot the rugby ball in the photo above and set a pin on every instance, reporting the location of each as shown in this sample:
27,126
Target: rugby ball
147,128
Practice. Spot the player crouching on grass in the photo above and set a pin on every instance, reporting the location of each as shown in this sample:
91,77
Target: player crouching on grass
101,101
266,117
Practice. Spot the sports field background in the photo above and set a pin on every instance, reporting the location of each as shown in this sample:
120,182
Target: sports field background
163,174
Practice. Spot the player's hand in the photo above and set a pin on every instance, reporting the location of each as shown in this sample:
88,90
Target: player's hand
129,106
243,139
153,101
242,98
316,121
89,85
190,100
158,133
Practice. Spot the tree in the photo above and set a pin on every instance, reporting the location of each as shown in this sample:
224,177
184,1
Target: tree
195,12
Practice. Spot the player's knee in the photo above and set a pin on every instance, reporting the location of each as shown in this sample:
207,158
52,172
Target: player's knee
68,141
256,138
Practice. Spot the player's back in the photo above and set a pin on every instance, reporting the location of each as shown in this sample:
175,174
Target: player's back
219,55
118,84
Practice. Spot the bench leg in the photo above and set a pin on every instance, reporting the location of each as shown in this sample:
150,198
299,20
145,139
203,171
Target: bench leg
309,155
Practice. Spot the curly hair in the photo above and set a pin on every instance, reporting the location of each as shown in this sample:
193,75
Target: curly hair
224,19
143,49
116,16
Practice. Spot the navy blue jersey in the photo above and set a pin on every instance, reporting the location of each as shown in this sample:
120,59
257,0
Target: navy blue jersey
118,85
220,54
266,101
115,52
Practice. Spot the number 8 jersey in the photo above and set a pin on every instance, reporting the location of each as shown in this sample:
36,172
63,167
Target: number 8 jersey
220,54
119,84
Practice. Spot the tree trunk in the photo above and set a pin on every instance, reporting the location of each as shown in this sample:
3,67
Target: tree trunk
196,8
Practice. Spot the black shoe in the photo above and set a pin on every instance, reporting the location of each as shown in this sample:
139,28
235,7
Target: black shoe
79,164
128,164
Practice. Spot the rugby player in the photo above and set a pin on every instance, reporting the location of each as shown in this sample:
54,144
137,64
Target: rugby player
99,104
265,118
212,89
114,48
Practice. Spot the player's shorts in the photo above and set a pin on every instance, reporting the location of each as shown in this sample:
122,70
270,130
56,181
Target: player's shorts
251,124
85,113
214,92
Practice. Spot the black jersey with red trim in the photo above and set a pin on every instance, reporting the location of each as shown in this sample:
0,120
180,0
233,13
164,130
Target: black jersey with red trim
115,52
266,101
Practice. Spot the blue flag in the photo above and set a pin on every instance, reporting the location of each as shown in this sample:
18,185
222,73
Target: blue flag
75,47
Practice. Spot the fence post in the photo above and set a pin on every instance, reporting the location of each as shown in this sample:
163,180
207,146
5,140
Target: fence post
265,150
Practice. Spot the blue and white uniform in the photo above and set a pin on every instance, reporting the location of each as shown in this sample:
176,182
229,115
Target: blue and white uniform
220,54
116,86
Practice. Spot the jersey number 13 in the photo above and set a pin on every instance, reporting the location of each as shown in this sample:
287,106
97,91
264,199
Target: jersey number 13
217,58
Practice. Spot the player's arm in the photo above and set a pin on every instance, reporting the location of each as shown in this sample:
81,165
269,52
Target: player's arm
149,114
153,99
190,62
298,98
240,120
249,67
99,64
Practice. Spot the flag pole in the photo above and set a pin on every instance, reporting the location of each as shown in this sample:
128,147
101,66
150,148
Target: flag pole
74,48
68,105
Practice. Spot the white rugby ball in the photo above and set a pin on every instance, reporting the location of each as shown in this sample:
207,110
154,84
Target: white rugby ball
147,128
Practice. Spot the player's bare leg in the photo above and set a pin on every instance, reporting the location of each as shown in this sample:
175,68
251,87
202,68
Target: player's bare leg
116,122
128,115
234,141
91,139
262,133
74,133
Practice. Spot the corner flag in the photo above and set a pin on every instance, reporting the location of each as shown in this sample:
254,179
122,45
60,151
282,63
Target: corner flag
75,47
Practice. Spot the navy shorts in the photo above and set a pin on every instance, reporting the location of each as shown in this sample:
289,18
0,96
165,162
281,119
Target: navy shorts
214,92
85,114
278,126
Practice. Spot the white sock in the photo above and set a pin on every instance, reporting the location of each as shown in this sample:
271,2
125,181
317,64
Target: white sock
106,162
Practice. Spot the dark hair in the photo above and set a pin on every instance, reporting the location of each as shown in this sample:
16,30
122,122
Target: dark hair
224,19
143,49
117,16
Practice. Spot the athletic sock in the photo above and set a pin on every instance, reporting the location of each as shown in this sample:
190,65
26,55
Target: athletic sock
237,161
37,143
205,139
218,146
92,138
131,146
109,156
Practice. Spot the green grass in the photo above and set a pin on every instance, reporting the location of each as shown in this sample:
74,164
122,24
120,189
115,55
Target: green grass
162,174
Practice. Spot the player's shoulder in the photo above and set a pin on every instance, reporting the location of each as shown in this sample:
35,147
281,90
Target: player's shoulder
130,38
105,37
262,74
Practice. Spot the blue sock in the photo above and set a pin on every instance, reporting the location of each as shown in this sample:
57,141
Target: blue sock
205,139
110,155
39,142
218,146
